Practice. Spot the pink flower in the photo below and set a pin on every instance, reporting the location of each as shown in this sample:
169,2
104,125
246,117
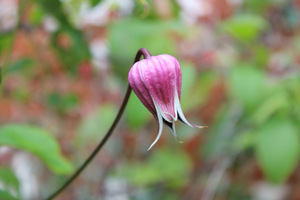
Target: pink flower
157,83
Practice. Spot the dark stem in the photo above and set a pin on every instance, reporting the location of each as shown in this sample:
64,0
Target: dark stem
142,52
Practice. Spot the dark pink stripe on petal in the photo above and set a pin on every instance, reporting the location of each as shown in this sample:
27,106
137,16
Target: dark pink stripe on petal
160,77
140,89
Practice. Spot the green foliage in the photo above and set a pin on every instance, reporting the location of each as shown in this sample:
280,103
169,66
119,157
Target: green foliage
38,142
273,103
62,102
221,133
93,127
94,2
247,85
128,36
189,77
72,55
277,149
195,89
257,5
36,15
168,166
6,195
9,180
5,41
245,27
54,8
20,65
136,113
78,50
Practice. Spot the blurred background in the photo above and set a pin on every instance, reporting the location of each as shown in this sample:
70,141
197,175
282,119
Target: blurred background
64,66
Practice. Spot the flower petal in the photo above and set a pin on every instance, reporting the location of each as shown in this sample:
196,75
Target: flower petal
160,126
160,77
178,75
181,116
171,126
139,87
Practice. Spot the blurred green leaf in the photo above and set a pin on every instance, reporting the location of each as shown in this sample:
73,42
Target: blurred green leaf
136,113
247,85
258,5
6,196
78,51
36,15
5,41
54,8
277,149
245,27
244,140
195,87
94,126
170,166
128,36
20,65
8,179
261,55
275,102
189,76
38,142
94,2
62,102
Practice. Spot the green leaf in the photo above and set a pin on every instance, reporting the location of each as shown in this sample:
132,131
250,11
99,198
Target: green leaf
136,113
62,102
75,54
195,89
166,165
38,142
96,124
277,149
189,76
6,196
245,27
244,141
19,65
36,15
8,179
258,5
54,8
94,2
273,103
247,86
78,51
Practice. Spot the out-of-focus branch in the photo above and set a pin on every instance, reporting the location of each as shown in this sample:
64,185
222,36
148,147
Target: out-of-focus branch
214,178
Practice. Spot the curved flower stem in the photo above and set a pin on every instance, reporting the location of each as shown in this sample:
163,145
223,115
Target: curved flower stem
142,52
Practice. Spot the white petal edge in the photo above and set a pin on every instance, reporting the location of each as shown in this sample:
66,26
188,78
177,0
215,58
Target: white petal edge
173,131
181,115
173,119
160,124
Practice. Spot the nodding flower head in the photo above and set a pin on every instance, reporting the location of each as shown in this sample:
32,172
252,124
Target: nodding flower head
157,83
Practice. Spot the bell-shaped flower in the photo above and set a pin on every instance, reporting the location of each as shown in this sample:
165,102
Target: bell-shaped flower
157,83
